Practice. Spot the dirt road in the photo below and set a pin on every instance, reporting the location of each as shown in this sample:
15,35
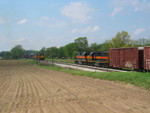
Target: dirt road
25,88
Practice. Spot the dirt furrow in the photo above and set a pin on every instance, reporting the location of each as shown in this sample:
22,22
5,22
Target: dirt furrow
25,88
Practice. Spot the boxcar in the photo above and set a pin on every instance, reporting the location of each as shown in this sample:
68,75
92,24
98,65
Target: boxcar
147,58
126,58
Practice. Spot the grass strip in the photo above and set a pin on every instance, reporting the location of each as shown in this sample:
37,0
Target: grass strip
136,78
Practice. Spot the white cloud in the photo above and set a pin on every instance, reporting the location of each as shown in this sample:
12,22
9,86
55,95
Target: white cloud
96,28
120,6
3,39
116,11
89,29
27,43
22,21
142,6
2,20
50,22
45,18
20,40
77,11
5,43
139,31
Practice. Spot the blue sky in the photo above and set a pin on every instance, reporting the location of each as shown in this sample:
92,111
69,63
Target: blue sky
45,23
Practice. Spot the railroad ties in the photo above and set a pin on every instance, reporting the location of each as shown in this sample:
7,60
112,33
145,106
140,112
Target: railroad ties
81,67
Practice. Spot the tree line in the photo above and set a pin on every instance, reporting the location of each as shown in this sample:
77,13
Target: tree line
122,39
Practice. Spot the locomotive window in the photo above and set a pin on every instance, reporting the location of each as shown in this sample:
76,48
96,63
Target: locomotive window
101,54
104,54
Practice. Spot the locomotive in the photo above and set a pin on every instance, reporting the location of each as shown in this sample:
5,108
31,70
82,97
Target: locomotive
94,58
39,57
35,56
133,58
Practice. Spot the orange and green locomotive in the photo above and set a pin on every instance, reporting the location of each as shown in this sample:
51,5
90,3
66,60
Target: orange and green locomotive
39,57
93,58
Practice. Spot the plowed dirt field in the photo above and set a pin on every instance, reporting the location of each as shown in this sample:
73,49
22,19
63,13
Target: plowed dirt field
25,88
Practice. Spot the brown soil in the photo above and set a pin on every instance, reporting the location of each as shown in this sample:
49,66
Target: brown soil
25,88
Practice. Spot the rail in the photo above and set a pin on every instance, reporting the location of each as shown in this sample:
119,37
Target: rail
82,67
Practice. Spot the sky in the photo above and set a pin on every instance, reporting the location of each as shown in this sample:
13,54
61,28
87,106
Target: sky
45,23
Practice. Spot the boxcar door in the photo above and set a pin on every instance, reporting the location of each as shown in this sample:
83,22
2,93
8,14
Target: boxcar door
121,55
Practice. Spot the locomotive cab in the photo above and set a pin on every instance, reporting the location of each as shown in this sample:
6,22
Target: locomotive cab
98,58
81,58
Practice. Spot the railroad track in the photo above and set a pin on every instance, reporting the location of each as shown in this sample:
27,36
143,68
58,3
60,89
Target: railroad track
82,67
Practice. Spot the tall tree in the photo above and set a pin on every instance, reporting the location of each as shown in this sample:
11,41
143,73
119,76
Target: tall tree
5,55
61,52
48,53
82,44
122,39
43,50
69,49
17,52
53,52
104,46
142,42
95,47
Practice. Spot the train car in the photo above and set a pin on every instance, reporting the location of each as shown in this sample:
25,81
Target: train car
34,57
131,58
39,57
98,58
81,58
147,58
134,58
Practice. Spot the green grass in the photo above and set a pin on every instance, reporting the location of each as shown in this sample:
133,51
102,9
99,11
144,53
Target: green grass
136,78
63,60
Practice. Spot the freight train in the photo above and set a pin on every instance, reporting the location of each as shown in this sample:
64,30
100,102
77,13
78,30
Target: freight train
135,58
35,56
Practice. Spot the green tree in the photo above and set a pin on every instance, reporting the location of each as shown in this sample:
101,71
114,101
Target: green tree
43,50
61,52
53,52
17,52
5,55
48,53
105,46
95,47
82,44
142,42
122,39
74,54
69,49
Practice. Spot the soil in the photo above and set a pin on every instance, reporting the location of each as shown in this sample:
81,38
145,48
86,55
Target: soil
25,88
